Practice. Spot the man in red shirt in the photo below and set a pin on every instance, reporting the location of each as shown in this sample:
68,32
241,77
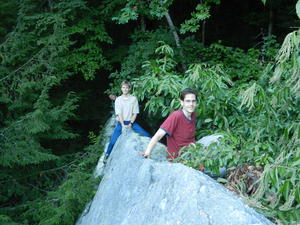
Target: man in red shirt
180,126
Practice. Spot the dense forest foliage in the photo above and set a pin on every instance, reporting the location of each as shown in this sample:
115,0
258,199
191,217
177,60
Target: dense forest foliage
60,59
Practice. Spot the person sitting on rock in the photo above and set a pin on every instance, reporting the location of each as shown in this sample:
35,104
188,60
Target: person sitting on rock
112,97
180,127
126,110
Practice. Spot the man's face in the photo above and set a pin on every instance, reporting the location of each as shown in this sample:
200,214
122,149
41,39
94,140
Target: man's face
125,89
189,103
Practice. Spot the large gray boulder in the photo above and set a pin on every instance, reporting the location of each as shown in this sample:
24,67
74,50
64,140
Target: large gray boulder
138,191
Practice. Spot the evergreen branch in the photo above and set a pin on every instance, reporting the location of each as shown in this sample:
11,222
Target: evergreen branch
37,188
12,32
13,72
48,170
12,125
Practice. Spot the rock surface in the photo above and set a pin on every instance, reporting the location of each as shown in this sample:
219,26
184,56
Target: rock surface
138,191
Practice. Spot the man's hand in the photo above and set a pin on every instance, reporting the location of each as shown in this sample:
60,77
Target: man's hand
192,145
112,97
144,154
124,127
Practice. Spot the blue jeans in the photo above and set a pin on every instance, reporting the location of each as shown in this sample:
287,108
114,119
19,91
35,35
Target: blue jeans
117,132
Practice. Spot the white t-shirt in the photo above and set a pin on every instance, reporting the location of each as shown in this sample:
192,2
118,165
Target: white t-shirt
126,107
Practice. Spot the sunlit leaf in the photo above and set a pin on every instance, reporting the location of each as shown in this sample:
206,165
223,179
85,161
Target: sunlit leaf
298,8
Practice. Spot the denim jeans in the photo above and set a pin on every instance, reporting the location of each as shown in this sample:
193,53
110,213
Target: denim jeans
117,132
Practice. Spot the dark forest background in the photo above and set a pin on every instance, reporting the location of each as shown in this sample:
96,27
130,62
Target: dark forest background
61,59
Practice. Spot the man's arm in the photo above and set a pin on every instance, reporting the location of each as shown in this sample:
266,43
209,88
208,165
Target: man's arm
121,120
156,138
118,112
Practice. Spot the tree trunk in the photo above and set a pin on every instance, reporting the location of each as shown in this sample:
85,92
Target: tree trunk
177,40
143,24
203,28
271,19
203,32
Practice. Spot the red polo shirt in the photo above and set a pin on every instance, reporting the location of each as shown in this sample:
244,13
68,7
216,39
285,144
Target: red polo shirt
180,132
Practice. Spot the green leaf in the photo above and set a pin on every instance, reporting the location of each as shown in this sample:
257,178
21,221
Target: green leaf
222,180
297,194
298,8
286,189
296,162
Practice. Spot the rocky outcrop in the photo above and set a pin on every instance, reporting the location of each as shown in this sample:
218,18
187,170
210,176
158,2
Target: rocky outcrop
138,191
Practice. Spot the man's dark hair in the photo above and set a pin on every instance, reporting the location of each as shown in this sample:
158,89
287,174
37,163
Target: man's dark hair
187,91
